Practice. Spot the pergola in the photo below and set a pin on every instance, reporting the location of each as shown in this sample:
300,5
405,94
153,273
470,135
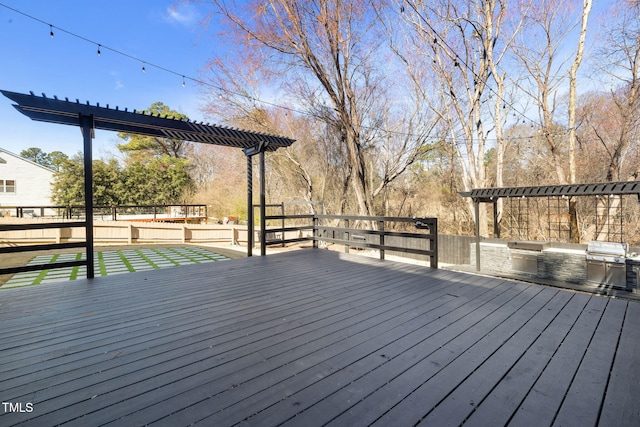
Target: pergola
491,195
90,117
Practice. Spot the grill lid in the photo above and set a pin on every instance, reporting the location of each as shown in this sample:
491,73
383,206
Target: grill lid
613,249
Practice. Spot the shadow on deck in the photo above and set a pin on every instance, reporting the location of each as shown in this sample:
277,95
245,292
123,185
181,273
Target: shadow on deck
315,337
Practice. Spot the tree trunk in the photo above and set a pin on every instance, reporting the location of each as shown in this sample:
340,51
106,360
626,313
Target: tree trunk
573,212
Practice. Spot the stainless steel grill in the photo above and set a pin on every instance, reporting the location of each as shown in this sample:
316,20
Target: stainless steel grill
606,263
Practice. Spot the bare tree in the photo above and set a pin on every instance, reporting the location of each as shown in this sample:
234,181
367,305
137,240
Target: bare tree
314,168
538,53
612,119
327,54
619,58
573,71
311,169
325,39
461,43
542,52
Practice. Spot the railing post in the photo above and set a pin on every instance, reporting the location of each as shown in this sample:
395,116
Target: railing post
315,231
347,235
477,215
433,244
282,213
381,229
234,235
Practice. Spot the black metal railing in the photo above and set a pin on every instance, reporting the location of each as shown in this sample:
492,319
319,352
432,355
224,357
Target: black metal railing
372,232
70,212
78,211
43,247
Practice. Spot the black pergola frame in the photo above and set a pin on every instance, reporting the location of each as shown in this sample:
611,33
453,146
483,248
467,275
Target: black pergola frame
90,117
491,195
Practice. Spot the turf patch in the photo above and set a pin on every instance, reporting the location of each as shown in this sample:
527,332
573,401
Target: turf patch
113,262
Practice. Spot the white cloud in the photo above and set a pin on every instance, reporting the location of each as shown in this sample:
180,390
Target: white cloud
183,14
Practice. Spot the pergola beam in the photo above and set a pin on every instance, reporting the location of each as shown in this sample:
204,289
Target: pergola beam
487,195
54,110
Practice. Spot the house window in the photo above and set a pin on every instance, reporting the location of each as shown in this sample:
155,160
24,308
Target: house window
7,186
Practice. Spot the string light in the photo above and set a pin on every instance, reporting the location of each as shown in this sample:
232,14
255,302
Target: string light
458,62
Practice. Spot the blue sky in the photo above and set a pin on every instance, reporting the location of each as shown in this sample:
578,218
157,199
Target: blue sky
155,31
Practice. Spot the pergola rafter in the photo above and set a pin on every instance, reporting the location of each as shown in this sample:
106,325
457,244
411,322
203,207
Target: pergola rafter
487,195
54,110
90,117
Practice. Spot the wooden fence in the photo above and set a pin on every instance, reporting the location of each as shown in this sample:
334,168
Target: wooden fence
126,233
451,249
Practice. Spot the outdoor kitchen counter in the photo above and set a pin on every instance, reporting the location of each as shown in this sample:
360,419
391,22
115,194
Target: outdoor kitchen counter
554,263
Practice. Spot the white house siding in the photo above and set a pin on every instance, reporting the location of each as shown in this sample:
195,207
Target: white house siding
32,183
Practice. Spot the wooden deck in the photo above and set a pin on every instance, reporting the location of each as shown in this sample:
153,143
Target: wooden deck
314,337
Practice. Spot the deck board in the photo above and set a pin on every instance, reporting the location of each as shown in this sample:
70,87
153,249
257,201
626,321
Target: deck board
511,389
585,396
542,401
314,337
353,365
622,405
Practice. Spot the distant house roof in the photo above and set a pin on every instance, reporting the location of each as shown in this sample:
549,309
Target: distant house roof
54,110
9,153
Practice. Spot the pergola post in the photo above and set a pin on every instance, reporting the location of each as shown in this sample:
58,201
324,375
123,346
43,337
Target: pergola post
476,204
496,224
86,126
249,152
250,229
263,207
